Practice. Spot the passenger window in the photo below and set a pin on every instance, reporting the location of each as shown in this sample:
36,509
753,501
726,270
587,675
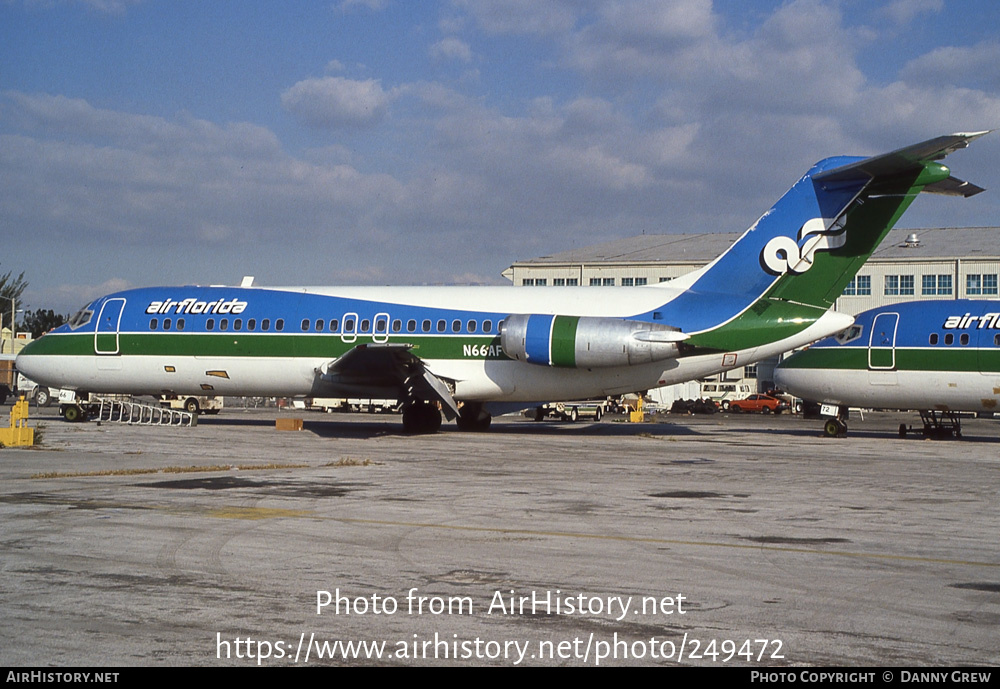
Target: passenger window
411,326
426,326
279,324
996,339
933,339
442,326
305,324
456,326
224,324
380,325
487,326
180,324
964,339
319,324
210,324
252,324
471,326
397,325
237,324
265,324
166,324
152,324
949,339
366,325
349,325
334,325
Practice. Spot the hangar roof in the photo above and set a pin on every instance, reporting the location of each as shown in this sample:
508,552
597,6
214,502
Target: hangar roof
933,243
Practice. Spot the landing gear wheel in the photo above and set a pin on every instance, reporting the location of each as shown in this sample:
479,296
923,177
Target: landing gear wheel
421,417
191,406
472,418
834,428
72,413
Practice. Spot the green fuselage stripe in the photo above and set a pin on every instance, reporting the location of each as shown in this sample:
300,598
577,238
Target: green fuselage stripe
244,344
967,359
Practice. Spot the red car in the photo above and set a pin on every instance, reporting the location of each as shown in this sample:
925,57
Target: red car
762,403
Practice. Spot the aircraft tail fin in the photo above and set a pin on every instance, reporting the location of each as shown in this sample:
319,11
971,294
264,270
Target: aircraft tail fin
802,253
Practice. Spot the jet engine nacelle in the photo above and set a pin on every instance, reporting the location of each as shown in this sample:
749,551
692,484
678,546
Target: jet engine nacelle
585,342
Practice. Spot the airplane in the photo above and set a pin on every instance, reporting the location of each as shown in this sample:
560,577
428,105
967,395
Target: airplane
935,356
472,352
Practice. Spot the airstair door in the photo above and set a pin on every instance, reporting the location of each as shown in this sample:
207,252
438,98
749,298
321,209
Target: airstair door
106,337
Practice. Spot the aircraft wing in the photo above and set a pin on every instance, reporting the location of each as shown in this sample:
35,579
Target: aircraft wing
910,159
388,365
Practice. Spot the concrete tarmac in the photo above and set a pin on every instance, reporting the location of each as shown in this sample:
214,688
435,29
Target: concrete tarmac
717,540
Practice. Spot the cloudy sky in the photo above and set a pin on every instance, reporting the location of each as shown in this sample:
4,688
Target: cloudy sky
152,142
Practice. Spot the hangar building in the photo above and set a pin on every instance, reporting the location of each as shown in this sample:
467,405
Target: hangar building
934,263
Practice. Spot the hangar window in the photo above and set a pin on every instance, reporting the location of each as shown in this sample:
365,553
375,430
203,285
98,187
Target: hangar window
964,339
305,324
397,325
471,326
166,324
152,324
898,285
980,284
210,324
279,324
933,339
487,326
442,326
426,326
456,326
949,339
265,324
411,326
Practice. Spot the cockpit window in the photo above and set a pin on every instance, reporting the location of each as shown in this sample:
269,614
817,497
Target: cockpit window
81,318
849,335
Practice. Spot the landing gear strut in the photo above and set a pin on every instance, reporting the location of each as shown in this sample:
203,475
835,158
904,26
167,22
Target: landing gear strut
472,417
421,417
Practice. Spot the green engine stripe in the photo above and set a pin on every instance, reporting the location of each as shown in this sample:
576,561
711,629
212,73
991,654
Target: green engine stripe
564,341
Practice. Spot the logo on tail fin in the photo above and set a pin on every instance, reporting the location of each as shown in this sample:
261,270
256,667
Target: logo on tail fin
783,254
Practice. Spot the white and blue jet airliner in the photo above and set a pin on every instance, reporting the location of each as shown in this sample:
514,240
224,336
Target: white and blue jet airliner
475,351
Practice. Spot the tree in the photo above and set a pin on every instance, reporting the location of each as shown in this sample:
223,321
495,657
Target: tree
40,321
10,289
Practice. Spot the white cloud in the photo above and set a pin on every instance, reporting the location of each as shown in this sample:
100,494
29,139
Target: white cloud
903,11
451,48
337,102
975,65
522,16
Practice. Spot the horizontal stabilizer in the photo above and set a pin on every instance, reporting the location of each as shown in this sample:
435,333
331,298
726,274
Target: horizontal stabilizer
908,160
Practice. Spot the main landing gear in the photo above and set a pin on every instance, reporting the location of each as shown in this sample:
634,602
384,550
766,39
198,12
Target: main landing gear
472,417
421,417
